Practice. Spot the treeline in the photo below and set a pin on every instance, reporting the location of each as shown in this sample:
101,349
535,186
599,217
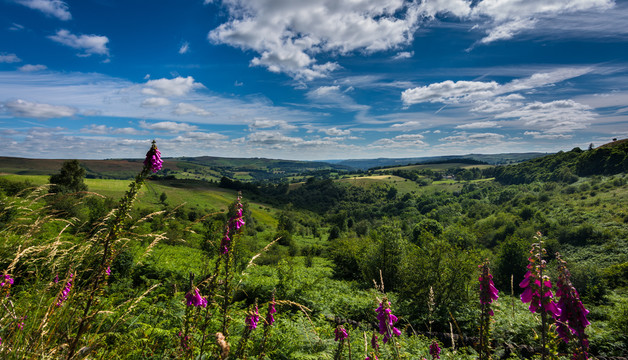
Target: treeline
565,167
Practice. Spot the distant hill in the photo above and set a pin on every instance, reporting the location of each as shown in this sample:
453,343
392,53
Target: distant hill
608,159
493,159
200,168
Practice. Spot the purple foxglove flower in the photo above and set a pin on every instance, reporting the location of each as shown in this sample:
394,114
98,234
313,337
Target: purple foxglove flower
341,333
252,319
65,292
435,350
56,279
108,271
195,299
153,159
374,343
270,319
572,321
386,321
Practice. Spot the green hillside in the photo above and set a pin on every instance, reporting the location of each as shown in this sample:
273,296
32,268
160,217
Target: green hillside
329,250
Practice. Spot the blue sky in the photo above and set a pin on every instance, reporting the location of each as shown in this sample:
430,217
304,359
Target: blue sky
310,79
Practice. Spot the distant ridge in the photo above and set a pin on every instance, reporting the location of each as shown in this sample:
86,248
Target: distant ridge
493,159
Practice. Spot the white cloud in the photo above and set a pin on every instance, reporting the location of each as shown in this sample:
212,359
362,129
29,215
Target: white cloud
16,27
178,86
89,44
155,102
184,48
403,55
407,125
479,125
555,117
404,141
29,67
56,8
106,130
448,91
538,135
464,138
333,96
506,18
9,58
335,131
261,123
185,108
289,36
199,135
168,126
23,108
451,92
508,30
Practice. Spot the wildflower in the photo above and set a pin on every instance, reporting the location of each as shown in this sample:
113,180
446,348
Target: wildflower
435,350
488,292
573,317
341,333
195,299
374,343
537,287
5,283
108,271
234,224
185,341
386,321
252,319
153,159
56,279
65,292
270,319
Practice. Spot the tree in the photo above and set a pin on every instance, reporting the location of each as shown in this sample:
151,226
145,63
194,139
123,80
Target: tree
69,179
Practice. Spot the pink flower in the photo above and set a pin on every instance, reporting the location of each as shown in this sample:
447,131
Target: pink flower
65,292
386,321
573,316
108,271
195,299
341,333
435,350
153,159
252,319
270,319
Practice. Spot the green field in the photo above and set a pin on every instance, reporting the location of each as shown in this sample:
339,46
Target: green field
437,167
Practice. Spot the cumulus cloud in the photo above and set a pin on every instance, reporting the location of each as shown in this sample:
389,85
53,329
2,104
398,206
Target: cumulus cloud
333,96
448,91
403,141
9,58
179,86
479,125
168,126
23,108
452,92
185,109
407,125
56,8
464,138
403,55
268,123
155,102
89,44
107,130
335,131
287,39
29,67
555,117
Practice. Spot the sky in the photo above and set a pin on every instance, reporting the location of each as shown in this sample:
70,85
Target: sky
310,79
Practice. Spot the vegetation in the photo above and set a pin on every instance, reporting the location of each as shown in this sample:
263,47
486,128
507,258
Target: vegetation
166,269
